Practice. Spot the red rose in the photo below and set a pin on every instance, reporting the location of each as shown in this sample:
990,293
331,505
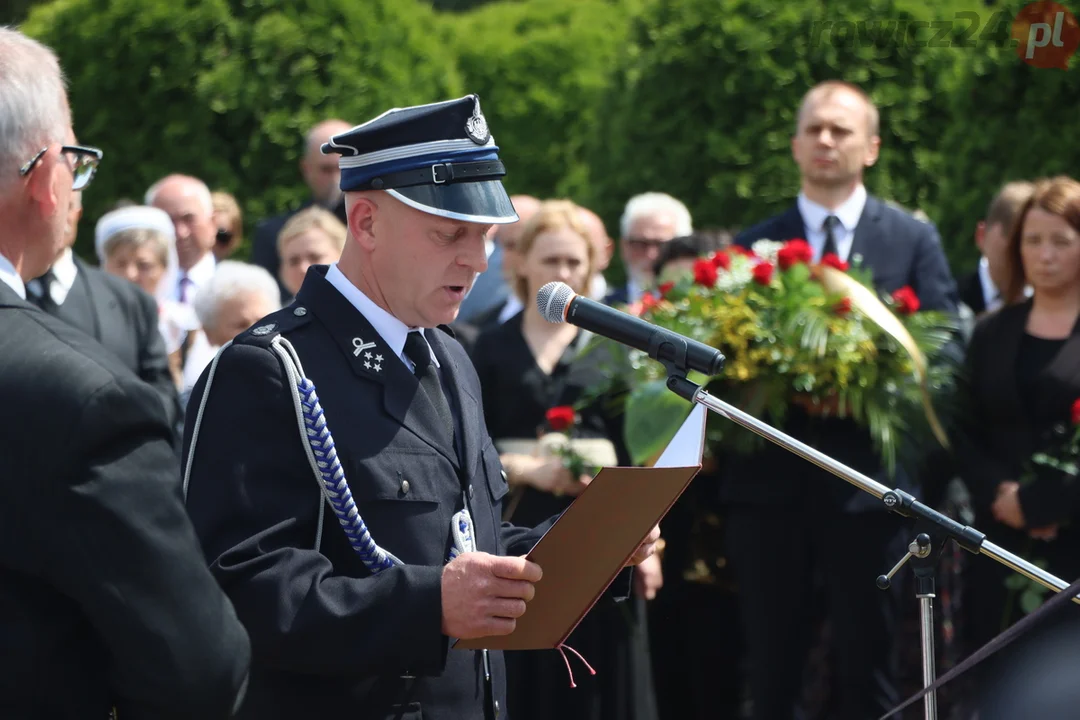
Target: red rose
763,273
1076,412
843,307
560,418
794,251
705,272
832,260
648,302
907,302
721,259
665,288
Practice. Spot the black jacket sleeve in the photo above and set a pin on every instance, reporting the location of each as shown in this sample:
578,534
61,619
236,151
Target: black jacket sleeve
175,645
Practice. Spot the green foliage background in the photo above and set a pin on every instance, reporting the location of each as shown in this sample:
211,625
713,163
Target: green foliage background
589,99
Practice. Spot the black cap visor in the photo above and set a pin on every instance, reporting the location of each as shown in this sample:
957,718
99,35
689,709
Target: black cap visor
482,201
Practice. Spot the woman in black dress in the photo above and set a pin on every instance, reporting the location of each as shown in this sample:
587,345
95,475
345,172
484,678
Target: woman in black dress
1022,380
528,366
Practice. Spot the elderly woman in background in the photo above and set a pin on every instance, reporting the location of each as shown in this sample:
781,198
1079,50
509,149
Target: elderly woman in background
235,299
530,372
1021,383
311,237
138,243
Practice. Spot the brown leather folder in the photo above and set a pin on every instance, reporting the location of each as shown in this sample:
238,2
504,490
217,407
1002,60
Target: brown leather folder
591,542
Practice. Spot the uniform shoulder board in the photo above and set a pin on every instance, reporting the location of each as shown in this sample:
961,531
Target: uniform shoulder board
282,322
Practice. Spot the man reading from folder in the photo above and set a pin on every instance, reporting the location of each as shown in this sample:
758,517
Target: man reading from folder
338,469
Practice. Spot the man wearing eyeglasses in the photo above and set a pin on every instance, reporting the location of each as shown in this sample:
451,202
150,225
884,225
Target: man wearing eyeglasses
113,311
648,221
107,601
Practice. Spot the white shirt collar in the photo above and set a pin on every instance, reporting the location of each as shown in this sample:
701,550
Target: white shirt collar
598,288
390,329
11,278
64,271
511,308
848,213
989,290
200,273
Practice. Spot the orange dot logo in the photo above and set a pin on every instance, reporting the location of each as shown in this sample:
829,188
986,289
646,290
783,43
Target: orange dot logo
1046,35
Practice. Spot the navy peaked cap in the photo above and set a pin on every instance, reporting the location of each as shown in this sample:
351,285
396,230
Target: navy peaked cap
439,158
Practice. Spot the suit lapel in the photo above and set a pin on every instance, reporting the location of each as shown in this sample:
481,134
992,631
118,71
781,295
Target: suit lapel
468,406
372,360
1007,348
1058,379
867,234
791,225
81,306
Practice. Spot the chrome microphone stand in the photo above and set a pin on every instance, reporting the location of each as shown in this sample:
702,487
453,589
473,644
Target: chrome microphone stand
932,528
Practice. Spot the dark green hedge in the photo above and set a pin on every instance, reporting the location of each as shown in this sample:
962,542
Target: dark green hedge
1007,121
592,99
226,90
541,68
704,104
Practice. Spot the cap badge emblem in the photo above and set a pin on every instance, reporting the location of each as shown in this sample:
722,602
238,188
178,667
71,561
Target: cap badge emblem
476,127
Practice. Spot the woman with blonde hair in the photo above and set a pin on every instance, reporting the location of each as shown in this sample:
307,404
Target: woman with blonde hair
229,221
311,237
536,378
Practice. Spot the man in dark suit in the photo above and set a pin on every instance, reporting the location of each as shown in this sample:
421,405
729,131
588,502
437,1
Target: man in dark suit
980,290
648,222
115,312
804,521
105,599
359,622
322,176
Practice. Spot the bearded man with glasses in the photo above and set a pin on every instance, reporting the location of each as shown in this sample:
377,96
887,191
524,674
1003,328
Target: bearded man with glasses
106,604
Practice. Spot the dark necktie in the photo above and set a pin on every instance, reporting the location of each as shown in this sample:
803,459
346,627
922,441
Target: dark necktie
186,285
830,236
419,352
46,302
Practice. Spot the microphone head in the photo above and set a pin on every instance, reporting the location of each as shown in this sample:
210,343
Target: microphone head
553,299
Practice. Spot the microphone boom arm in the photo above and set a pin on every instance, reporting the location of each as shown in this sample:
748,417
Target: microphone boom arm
898,501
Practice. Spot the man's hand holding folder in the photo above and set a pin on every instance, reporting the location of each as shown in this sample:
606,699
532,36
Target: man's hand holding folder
483,595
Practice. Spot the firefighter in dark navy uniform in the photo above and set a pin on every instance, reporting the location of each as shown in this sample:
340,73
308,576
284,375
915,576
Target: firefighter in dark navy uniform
337,466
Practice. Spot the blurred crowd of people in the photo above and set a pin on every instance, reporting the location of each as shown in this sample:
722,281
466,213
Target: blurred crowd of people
766,557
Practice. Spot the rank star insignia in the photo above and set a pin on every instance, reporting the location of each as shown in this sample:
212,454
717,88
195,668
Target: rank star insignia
378,367
476,127
367,356
367,366
378,358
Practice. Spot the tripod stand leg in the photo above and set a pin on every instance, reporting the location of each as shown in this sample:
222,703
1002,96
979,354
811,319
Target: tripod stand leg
926,625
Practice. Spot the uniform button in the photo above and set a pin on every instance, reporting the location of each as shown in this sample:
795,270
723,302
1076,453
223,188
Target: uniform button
405,486
470,492
300,312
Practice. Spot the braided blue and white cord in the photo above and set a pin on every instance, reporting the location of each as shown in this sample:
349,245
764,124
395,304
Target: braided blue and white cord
322,454
323,458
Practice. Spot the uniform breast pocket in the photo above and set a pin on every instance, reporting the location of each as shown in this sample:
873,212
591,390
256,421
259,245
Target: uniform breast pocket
496,478
406,499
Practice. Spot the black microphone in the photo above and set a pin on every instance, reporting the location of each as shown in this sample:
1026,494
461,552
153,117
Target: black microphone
558,303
